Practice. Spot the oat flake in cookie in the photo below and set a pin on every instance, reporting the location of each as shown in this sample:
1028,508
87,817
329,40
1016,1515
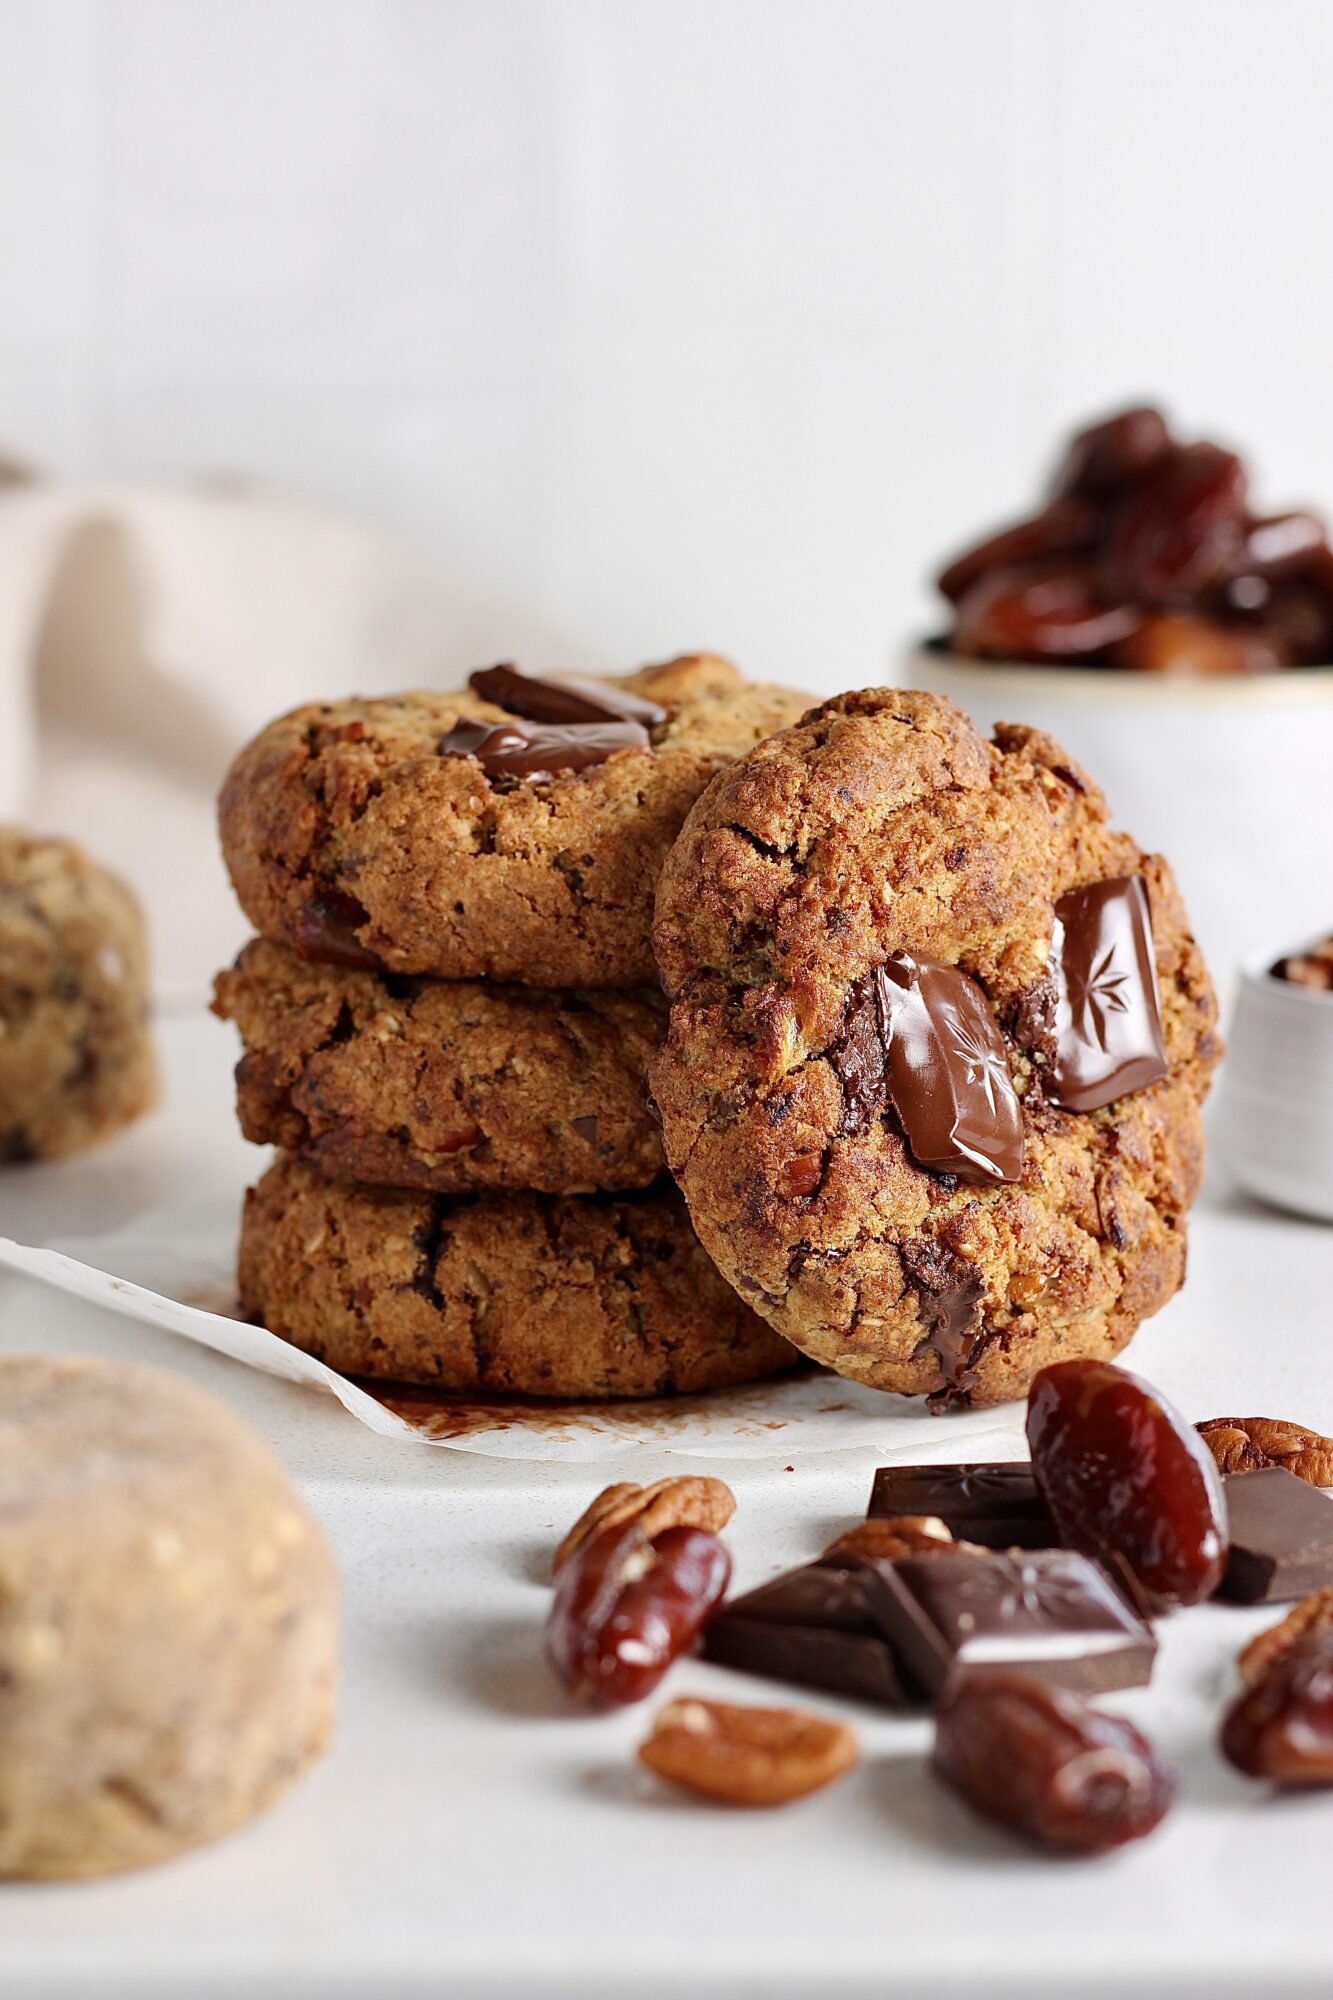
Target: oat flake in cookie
877,1203
512,830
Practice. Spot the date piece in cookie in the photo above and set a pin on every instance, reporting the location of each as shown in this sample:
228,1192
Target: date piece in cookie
76,1060
539,1295
512,830
403,1082
881,831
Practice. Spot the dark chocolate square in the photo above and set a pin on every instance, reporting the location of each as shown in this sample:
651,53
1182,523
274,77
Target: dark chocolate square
810,1626
1281,1534
996,1505
1049,1613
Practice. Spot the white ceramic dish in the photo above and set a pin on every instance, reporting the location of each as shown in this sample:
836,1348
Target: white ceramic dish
1231,779
1274,1119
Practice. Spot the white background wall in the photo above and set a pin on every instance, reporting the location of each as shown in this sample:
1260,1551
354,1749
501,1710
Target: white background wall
663,322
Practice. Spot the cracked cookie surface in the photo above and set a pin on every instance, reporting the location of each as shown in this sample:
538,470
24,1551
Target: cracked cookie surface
76,1058
399,1081
538,1295
883,823
343,820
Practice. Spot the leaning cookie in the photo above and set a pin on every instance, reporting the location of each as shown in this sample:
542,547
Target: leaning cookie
540,1295
76,1060
939,1041
404,1082
514,830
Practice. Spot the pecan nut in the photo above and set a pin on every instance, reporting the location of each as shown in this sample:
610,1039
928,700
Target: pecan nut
1313,1613
747,1756
686,1502
1251,1444
897,1535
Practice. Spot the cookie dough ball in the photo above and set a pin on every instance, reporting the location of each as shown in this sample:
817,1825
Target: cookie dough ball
356,833
884,824
76,1061
168,1620
450,1085
529,1294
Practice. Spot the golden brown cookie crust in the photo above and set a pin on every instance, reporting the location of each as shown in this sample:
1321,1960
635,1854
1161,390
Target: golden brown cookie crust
884,822
397,1081
76,1059
463,877
538,1295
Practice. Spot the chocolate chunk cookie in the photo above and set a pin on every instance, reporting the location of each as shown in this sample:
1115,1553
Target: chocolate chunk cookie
542,1295
513,831
931,1110
76,1061
449,1085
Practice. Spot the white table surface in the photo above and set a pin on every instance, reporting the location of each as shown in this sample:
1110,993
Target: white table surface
469,1834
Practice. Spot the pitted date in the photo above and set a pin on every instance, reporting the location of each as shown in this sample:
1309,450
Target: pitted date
1181,528
1106,456
626,1607
1128,1481
1281,1728
1047,612
1039,1760
1061,529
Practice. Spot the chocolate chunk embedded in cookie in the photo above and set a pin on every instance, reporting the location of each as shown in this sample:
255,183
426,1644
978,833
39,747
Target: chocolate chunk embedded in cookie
76,1060
513,830
404,1082
541,1295
939,1197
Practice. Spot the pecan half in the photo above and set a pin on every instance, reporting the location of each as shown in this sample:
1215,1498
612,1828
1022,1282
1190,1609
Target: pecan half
1249,1444
1311,1614
686,1502
747,1756
897,1535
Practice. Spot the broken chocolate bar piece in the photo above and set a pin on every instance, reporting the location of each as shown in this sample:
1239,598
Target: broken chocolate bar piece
1281,1534
811,1626
1050,1614
995,1505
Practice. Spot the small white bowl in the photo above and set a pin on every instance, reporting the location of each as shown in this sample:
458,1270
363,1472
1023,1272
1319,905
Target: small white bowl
1231,779
1273,1124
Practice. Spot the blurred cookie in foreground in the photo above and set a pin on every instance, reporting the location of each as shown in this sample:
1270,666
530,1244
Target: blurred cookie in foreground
405,1082
537,1295
76,1058
169,1624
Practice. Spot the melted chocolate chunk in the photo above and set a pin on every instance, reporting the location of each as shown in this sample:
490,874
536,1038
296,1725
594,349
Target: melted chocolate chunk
540,753
997,1506
948,1071
949,1291
1107,1036
327,933
586,1128
920,1035
1049,1614
563,700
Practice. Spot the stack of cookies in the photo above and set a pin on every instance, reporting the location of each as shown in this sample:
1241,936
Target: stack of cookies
448,1016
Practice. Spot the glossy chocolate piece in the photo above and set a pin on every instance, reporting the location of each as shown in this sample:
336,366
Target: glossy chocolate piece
1281,1537
563,700
922,1035
327,933
997,1506
1107,1030
1049,1614
812,1627
540,752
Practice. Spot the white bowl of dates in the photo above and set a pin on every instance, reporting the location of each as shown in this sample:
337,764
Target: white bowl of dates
1179,645
1274,1120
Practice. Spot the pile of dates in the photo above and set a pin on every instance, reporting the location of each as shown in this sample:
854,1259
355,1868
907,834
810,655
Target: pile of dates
1147,557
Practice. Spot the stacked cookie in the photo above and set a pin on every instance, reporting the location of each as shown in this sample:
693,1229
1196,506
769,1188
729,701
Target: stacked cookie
448,1017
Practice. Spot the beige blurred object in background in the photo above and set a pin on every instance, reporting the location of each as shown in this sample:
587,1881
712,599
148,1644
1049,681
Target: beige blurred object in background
146,632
